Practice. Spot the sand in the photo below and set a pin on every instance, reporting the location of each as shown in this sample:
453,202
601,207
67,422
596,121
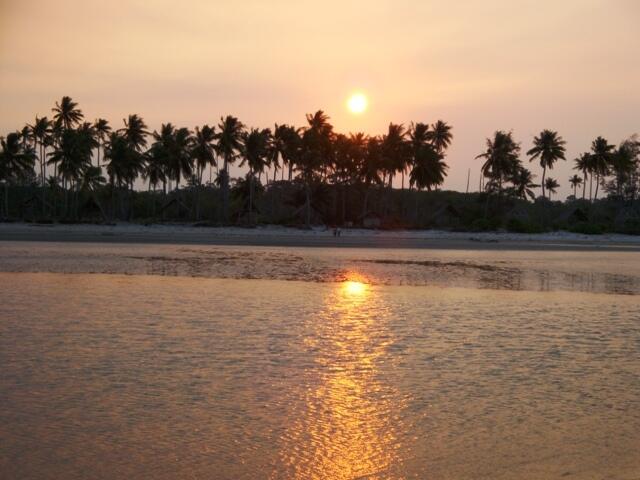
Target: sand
316,237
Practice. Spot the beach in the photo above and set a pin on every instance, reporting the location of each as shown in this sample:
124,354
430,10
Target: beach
315,237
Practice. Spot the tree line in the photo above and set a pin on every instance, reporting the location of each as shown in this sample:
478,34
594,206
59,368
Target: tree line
67,157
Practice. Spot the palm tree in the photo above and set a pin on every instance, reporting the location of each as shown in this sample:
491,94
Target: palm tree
73,155
315,152
102,130
551,185
371,168
522,181
16,163
135,132
583,163
549,148
575,181
441,136
229,145
93,180
623,163
254,152
179,161
203,152
66,113
601,155
429,169
395,151
501,159
124,165
41,132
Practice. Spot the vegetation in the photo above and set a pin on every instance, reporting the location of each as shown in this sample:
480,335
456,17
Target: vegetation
68,170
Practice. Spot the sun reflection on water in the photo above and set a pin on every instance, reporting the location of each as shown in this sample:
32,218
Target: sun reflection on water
347,426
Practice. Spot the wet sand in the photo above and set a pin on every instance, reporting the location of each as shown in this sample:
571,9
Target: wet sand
317,237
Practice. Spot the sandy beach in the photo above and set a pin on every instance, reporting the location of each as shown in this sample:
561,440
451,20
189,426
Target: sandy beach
316,237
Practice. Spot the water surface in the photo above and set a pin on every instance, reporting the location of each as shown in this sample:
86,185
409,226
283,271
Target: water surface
166,373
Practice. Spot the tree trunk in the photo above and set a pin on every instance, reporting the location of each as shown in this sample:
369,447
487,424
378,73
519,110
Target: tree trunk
251,198
308,207
544,173
597,185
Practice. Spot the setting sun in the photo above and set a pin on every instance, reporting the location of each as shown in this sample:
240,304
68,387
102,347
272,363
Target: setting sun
357,103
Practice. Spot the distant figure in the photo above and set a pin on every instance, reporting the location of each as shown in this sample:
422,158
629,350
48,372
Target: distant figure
335,231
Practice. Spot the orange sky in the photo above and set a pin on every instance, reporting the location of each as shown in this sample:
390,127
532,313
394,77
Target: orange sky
569,65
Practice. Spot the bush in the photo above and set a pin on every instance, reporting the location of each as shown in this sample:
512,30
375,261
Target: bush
588,228
519,226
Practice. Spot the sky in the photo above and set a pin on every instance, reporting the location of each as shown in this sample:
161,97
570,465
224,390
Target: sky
567,65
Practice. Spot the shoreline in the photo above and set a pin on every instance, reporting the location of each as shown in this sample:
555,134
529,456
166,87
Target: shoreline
275,236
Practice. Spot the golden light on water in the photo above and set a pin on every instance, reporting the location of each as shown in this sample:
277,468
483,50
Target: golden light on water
353,287
357,103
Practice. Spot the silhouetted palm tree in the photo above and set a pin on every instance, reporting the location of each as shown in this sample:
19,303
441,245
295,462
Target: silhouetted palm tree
551,185
601,155
41,134
623,163
16,162
575,181
583,163
66,113
255,150
370,171
395,151
203,150
522,181
441,136
316,149
229,145
429,168
501,159
102,130
549,148
125,163
72,155
135,132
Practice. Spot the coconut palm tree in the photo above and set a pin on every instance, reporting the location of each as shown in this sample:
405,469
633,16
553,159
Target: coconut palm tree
179,163
523,185
371,169
66,113
583,163
501,159
255,151
441,136
203,150
229,145
575,181
549,148
623,164
102,130
41,134
600,158
124,163
16,163
73,155
395,151
135,132
429,169
551,185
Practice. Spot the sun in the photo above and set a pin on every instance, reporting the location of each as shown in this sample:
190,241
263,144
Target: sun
357,103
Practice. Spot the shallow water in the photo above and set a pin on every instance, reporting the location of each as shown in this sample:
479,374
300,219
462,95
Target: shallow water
594,271
151,376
